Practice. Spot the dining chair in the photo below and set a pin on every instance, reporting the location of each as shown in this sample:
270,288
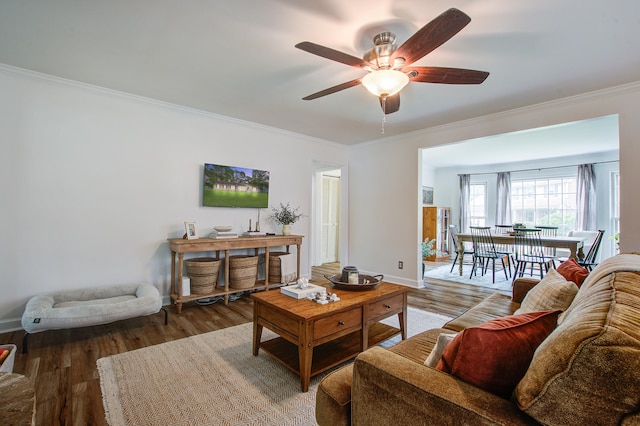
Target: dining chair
507,249
590,259
549,252
453,232
529,252
484,251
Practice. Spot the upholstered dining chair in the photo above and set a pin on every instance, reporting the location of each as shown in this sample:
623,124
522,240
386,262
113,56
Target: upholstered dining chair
484,251
453,232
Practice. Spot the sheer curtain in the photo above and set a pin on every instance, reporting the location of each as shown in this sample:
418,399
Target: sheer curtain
465,194
503,207
586,198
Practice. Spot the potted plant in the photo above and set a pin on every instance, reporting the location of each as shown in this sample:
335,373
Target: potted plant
427,250
286,216
427,247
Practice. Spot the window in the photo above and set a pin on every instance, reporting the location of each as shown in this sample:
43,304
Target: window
545,201
478,204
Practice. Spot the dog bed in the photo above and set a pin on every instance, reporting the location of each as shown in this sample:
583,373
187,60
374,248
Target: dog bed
89,306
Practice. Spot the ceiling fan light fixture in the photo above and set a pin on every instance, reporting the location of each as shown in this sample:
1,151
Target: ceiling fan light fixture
385,82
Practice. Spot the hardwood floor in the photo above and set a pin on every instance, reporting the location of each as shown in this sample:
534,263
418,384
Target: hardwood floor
62,363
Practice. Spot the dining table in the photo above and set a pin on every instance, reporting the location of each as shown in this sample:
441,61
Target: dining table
573,244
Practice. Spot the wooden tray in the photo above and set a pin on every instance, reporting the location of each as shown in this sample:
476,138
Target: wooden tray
372,282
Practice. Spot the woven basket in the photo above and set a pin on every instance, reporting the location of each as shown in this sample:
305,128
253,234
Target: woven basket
275,273
203,273
243,271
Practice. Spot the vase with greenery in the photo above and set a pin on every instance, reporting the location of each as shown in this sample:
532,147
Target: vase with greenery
286,216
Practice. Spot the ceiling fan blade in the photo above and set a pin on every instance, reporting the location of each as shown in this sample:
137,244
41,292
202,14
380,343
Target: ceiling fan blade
446,75
334,55
391,104
333,89
432,35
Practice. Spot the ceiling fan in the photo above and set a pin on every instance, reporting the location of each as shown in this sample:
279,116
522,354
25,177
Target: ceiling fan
389,67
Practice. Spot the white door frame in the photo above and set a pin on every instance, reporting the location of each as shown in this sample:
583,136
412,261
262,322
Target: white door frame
315,239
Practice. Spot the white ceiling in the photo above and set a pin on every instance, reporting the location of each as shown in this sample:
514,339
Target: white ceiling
237,58
568,140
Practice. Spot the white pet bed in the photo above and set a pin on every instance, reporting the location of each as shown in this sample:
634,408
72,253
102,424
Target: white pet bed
89,306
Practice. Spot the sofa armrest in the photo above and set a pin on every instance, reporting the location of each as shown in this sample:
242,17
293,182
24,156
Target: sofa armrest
521,287
391,389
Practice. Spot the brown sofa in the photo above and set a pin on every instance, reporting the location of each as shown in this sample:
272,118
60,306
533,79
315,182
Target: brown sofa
587,371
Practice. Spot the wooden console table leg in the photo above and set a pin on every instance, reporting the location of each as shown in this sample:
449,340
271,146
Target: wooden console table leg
173,286
227,267
266,268
298,253
179,283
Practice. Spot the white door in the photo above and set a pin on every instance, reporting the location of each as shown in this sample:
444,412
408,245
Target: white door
330,214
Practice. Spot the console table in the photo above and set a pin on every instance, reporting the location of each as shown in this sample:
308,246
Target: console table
180,246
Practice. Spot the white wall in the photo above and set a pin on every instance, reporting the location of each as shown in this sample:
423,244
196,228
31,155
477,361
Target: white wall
383,186
94,182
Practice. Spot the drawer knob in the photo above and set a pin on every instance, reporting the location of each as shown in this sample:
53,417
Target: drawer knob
340,322
387,306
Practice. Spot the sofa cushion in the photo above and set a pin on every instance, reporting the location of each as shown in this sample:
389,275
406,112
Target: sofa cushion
588,370
572,271
495,306
553,292
494,356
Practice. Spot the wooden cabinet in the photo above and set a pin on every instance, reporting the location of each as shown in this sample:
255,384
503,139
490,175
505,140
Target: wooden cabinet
435,224
181,246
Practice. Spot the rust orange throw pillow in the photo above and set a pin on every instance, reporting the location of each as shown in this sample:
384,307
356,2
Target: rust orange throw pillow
572,271
495,355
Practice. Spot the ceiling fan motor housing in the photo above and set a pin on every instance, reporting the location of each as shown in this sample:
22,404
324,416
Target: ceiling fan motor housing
379,55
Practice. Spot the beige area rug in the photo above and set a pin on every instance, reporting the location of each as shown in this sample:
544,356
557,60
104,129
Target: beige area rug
213,379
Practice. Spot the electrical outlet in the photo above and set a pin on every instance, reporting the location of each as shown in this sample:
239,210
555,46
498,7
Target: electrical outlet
400,264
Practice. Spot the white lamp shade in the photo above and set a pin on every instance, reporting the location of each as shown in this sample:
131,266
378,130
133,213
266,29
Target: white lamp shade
385,82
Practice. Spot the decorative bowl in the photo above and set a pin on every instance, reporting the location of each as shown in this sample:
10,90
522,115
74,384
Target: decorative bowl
365,282
223,228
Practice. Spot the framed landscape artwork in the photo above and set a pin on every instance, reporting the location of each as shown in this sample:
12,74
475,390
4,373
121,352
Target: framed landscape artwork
228,186
427,195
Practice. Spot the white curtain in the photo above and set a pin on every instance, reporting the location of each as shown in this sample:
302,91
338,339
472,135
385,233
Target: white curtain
586,198
465,195
503,207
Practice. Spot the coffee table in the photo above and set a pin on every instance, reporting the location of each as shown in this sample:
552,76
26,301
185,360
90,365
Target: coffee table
313,338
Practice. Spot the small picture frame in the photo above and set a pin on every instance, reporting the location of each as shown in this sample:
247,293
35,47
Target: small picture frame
427,195
190,230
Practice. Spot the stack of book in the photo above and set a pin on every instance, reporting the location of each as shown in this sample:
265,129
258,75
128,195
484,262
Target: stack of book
302,293
225,234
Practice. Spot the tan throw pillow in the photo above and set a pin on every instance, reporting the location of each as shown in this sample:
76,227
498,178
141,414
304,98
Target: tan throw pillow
552,293
436,352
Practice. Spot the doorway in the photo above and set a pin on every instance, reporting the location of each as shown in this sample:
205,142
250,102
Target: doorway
327,223
330,217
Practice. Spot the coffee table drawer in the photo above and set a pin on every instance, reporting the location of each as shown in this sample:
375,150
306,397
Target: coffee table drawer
386,307
337,323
